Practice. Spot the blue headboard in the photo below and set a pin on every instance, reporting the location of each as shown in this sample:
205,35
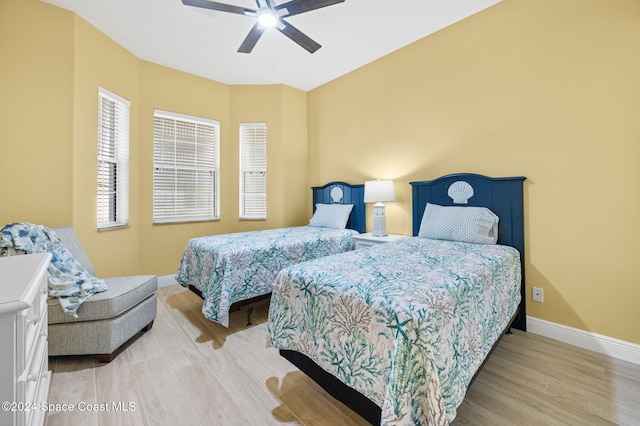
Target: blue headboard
351,194
503,196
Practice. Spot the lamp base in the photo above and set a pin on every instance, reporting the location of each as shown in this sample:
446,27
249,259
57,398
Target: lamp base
379,221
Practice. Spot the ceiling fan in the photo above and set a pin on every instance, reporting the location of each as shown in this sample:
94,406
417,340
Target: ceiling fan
269,14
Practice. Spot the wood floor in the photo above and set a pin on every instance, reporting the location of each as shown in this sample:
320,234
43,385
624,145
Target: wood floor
190,371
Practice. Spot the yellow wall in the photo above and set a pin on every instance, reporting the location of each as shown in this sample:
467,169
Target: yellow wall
36,109
296,196
163,88
99,62
284,109
545,89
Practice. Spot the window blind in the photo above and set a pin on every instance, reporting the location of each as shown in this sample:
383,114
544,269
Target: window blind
186,168
253,170
113,160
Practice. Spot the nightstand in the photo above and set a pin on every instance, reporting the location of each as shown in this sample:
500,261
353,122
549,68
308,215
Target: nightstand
366,240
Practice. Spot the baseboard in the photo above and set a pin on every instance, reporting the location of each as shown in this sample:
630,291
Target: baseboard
167,280
583,339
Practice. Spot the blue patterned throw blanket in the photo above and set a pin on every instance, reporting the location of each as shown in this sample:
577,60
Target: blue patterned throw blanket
69,281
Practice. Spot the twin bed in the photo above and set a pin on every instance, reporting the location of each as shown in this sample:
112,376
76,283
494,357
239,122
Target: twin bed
234,270
398,331
395,331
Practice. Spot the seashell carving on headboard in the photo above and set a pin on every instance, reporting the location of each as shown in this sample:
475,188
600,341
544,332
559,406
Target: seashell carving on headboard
460,191
336,194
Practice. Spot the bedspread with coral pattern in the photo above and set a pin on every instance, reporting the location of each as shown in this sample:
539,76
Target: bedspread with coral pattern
407,323
232,267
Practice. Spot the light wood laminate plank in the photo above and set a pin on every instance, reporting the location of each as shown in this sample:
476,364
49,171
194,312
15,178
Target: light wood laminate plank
164,401
210,401
73,383
119,393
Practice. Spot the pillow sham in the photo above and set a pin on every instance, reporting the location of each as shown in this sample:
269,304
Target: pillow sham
331,215
454,223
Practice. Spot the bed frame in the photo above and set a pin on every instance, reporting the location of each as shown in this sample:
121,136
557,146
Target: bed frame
331,193
504,196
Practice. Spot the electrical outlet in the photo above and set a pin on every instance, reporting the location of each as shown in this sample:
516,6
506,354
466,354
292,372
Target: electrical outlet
537,294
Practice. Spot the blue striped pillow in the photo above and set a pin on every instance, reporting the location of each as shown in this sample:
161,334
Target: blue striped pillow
456,223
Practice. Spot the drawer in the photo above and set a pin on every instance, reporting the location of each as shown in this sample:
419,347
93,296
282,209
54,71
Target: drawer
30,324
28,385
37,417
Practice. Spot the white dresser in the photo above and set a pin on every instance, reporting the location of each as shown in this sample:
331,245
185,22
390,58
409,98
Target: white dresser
24,367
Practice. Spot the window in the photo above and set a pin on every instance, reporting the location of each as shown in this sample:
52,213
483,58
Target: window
113,160
186,168
253,170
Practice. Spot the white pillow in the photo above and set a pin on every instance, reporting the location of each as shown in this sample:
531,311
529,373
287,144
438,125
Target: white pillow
454,223
331,215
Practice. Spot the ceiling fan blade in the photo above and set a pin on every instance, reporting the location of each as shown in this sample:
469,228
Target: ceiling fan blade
295,7
298,36
251,39
213,5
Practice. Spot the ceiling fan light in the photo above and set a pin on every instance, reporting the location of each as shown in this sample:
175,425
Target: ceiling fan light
267,18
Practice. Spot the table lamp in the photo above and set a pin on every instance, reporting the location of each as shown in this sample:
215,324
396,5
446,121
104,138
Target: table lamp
378,191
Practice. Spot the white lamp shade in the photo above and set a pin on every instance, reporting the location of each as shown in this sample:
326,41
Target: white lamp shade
377,191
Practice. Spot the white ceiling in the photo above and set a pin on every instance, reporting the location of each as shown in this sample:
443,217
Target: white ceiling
205,42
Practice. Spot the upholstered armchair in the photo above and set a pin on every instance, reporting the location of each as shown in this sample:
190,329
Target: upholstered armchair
106,321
